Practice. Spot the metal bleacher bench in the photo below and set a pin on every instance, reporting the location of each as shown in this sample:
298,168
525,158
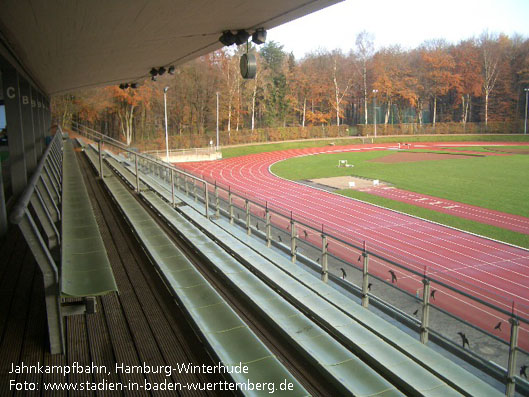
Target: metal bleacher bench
58,223
372,340
229,338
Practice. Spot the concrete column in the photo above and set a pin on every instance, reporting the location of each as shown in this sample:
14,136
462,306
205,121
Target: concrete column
27,126
15,133
513,347
37,128
425,310
137,173
217,201
248,228
42,111
293,247
365,280
324,259
230,203
3,212
172,189
268,227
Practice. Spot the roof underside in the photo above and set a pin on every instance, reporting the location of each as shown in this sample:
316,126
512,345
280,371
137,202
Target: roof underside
67,45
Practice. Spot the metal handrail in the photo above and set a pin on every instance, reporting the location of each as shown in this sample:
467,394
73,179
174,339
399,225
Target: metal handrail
515,319
327,232
20,207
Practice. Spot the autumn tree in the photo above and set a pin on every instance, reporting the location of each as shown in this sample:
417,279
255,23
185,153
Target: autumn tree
470,79
126,101
439,76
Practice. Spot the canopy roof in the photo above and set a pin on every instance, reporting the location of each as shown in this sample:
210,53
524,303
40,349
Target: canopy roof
66,45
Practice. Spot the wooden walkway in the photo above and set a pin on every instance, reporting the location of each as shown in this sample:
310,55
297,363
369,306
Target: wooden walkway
141,324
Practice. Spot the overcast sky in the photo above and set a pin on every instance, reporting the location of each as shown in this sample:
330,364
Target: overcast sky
404,22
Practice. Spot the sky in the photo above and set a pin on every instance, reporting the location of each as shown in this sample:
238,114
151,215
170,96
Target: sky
405,22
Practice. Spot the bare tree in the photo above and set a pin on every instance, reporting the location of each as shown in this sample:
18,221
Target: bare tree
490,53
365,50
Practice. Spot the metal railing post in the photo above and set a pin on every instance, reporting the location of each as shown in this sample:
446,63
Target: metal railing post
100,149
54,182
230,203
293,247
365,278
50,279
324,263
186,180
268,227
425,310
206,198
511,366
248,228
217,201
137,173
195,189
172,188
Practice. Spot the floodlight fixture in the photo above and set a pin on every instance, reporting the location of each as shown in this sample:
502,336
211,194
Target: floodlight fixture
259,36
241,37
161,70
134,85
122,86
227,38
171,70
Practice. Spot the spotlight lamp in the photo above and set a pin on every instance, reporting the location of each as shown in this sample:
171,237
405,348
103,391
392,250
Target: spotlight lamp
171,70
122,86
259,36
134,85
241,37
227,38
161,70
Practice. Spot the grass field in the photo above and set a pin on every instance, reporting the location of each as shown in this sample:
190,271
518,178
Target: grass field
495,182
270,147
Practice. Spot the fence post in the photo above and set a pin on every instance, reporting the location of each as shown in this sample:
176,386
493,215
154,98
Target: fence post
268,227
100,149
137,174
365,278
186,181
293,247
324,263
230,202
217,201
172,187
425,310
195,189
513,348
248,229
206,198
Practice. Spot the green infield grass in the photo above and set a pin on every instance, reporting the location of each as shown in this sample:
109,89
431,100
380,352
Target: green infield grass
486,149
496,233
242,150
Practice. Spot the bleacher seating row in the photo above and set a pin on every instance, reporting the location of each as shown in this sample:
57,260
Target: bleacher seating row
413,367
58,223
229,338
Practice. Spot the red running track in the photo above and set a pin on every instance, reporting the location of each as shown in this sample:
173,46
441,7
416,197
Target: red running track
490,270
512,222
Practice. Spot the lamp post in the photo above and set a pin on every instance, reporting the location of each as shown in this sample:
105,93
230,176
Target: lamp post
525,123
166,135
217,148
375,110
